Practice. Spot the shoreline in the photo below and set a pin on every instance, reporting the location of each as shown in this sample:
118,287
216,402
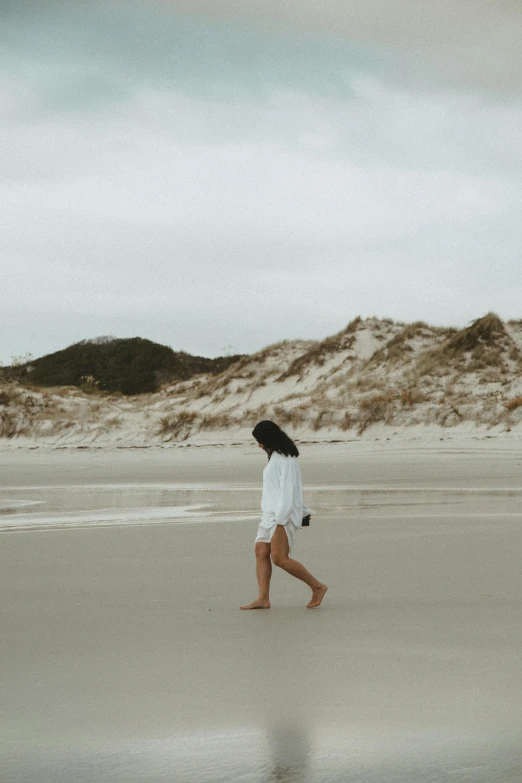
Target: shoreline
416,439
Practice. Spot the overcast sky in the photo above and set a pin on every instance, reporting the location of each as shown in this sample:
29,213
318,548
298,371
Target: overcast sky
237,172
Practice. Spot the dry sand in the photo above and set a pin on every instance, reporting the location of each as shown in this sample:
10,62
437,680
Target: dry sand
125,657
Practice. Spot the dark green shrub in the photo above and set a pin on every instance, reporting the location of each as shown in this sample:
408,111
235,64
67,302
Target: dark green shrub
128,366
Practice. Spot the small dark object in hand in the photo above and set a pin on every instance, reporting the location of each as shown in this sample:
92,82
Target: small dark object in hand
306,521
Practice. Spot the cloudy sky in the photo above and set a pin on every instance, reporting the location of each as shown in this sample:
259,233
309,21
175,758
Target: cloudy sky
236,172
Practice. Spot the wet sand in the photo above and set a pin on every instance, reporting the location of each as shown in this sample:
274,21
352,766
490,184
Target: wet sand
125,657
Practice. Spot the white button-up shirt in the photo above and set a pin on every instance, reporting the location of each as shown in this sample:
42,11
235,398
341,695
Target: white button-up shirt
282,498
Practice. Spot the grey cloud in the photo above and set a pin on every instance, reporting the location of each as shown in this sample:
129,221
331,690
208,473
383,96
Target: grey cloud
136,203
465,44
108,46
445,21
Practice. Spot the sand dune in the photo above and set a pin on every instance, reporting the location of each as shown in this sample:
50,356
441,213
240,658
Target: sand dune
374,379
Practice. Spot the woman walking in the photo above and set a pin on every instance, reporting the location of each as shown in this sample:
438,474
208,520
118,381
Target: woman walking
282,514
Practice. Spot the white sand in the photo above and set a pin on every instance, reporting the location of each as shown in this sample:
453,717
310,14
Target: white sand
125,657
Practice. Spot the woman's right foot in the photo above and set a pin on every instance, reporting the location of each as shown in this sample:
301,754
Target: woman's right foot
259,603
318,594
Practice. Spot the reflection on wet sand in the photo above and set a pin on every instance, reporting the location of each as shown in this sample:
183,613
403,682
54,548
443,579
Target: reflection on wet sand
275,755
288,752
125,658
80,505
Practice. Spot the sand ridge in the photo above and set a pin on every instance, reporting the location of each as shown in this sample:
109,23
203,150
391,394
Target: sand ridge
374,379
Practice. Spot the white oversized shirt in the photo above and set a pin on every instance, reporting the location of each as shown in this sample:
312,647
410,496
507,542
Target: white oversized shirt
282,498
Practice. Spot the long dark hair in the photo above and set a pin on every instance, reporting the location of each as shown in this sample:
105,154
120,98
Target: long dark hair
273,438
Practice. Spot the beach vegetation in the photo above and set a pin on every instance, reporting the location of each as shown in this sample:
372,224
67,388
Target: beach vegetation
398,346
348,421
451,416
217,421
327,418
113,422
8,394
318,352
368,382
130,366
411,397
89,384
178,426
9,424
488,330
513,404
375,408
285,416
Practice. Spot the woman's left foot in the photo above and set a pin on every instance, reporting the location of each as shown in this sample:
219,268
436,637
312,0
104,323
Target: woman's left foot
259,603
318,594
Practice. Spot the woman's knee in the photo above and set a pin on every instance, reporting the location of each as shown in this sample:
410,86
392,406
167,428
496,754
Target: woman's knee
262,550
279,558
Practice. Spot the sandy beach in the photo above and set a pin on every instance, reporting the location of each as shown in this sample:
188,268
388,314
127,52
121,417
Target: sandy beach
125,657
217,217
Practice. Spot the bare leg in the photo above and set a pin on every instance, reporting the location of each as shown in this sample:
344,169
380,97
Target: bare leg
280,557
263,573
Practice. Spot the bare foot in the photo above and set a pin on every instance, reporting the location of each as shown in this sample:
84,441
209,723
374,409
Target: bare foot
259,603
318,594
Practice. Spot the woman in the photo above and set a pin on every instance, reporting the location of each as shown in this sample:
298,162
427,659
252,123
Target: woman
282,514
